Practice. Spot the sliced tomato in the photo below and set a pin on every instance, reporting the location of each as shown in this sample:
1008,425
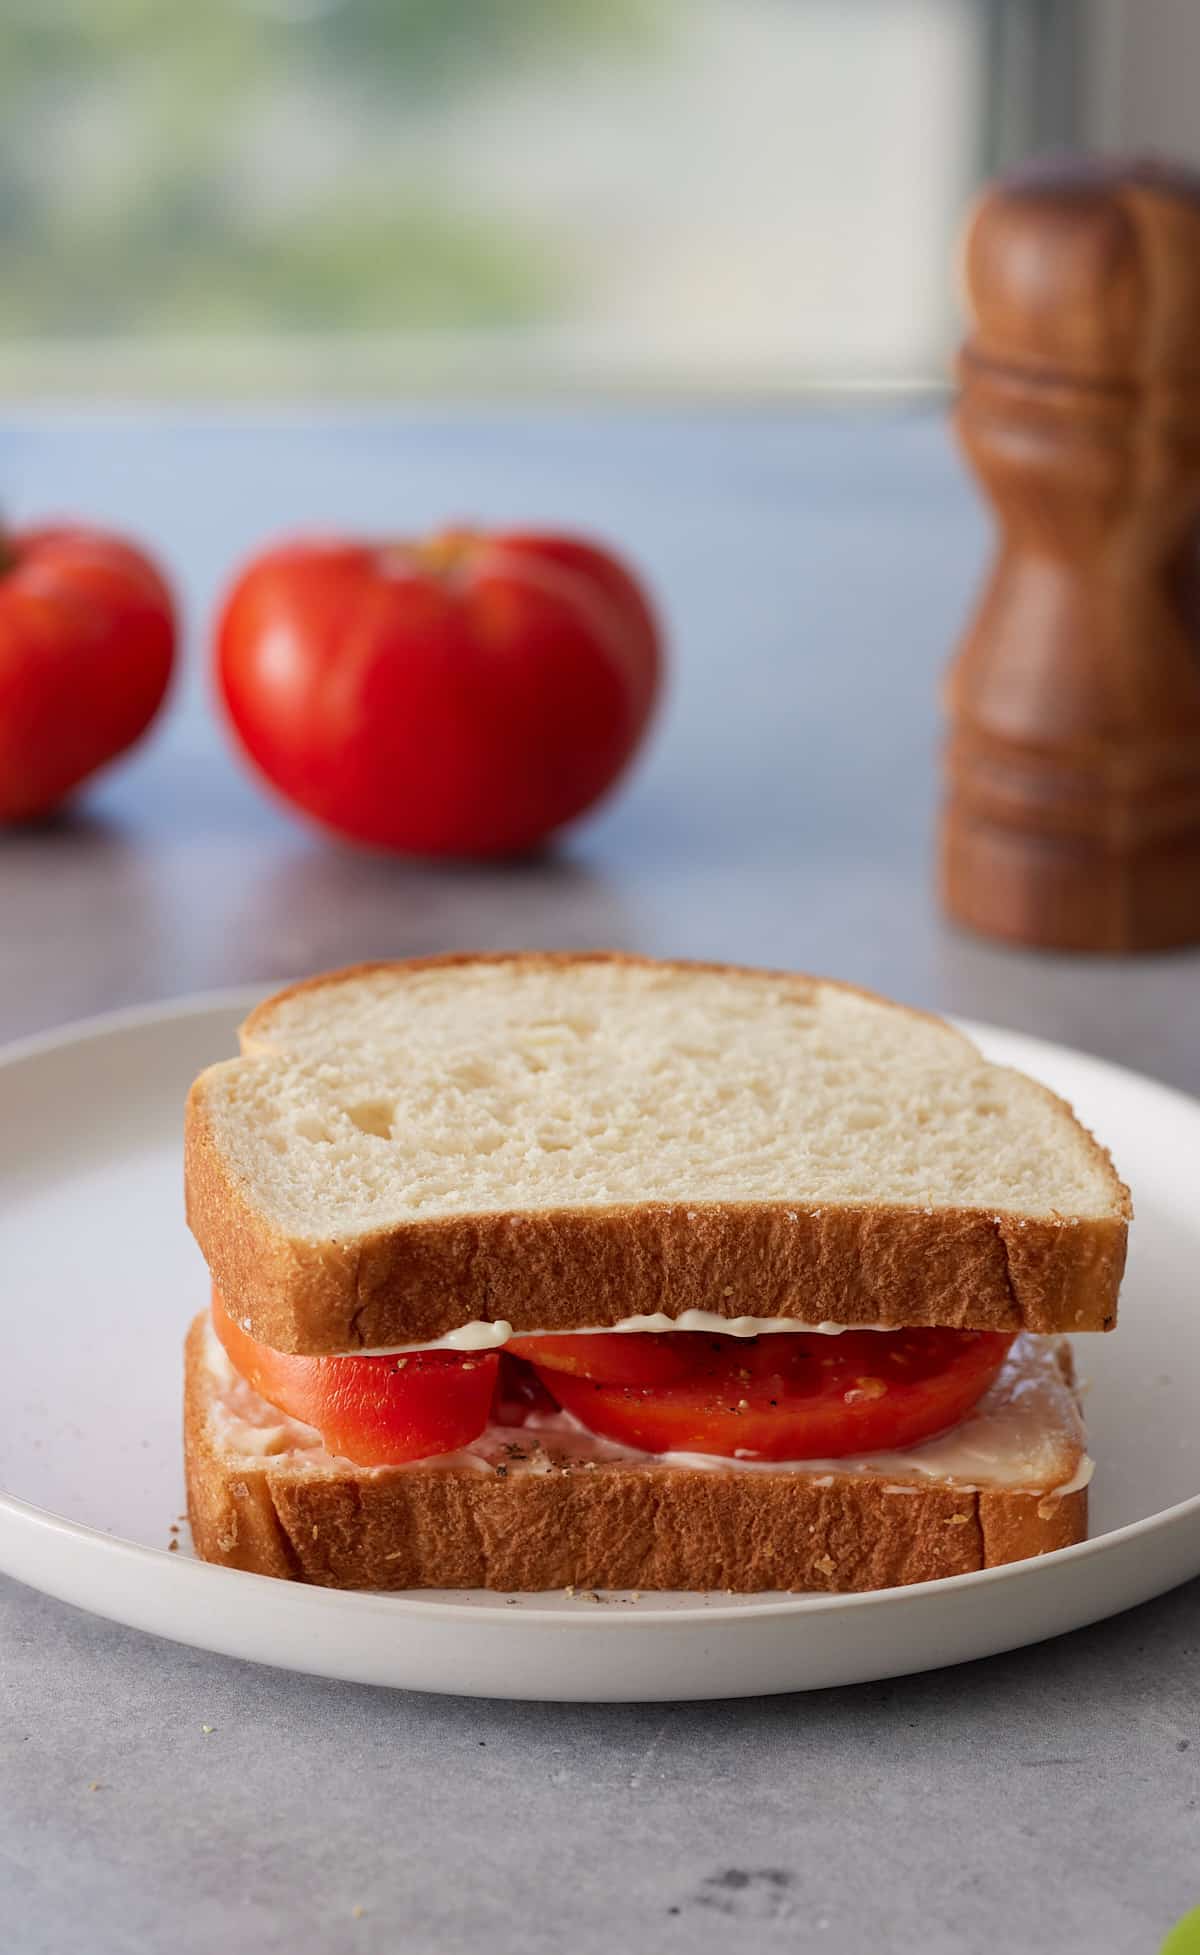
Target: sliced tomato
374,1411
791,1395
616,1357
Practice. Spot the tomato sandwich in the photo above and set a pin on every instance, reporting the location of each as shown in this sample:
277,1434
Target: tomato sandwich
546,1271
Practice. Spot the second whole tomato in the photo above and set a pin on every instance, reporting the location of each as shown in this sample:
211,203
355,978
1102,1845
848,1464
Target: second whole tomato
87,642
463,696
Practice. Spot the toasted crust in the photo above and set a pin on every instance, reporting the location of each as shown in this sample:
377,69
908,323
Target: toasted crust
563,1269
616,1525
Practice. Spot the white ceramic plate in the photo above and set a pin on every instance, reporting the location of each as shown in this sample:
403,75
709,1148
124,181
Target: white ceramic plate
93,1246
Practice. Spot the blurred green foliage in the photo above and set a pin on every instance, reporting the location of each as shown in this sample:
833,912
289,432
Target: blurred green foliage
131,167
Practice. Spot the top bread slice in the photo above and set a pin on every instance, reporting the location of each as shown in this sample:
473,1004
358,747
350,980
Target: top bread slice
563,1141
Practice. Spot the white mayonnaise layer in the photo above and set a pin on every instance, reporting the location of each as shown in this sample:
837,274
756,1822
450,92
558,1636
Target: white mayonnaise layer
491,1337
1025,1433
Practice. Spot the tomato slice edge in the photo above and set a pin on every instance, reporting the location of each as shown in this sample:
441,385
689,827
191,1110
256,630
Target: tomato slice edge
800,1402
373,1411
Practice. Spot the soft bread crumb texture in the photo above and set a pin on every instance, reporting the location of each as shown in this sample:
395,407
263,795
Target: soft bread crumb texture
396,1095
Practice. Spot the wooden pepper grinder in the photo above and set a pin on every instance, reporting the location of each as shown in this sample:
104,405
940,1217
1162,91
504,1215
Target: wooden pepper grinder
1072,813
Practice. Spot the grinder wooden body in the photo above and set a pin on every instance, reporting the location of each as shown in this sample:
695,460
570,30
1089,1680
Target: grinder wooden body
1072,808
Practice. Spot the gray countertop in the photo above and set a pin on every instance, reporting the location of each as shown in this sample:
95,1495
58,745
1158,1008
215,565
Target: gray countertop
815,570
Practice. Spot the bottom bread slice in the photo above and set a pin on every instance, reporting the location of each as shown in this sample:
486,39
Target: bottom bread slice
263,1495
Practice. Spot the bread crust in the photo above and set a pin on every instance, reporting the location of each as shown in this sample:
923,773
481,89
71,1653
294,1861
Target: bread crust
615,1525
564,1269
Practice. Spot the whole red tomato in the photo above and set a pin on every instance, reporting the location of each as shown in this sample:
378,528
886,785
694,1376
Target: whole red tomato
87,637
461,696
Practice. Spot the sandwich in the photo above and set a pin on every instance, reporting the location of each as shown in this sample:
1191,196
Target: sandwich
541,1271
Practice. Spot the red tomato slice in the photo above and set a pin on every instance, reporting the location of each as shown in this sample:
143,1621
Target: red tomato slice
374,1411
617,1357
791,1395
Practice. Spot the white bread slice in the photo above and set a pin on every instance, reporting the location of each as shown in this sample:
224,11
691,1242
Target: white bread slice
264,1495
561,1141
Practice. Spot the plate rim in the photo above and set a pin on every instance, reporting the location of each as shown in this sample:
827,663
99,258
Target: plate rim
366,1603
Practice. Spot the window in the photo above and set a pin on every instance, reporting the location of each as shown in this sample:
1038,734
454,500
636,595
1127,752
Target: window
365,195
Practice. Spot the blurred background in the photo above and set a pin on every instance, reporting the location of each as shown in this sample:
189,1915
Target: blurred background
273,197
675,274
